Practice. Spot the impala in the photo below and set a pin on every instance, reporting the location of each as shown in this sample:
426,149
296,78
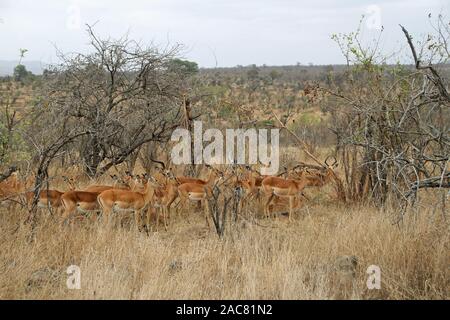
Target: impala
200,193
10,190
83,201
164,195
10,186
179,180
126,200
281,187
119,183
252,185
322,177
212,176
278,202
292,188
48,198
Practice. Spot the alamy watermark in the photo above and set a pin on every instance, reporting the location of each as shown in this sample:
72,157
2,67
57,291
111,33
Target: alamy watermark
229,149
73,21
373,20
74,278
374,279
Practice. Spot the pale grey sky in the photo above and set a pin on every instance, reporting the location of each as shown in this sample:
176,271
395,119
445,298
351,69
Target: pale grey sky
274,32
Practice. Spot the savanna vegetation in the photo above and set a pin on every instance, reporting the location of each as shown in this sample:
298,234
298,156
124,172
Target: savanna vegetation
364,154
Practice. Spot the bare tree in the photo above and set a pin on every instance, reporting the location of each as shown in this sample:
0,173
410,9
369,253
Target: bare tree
392,121
123,94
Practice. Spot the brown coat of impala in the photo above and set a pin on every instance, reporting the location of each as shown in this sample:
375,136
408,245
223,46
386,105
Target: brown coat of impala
164,197
47,199
10,189
195,192
126,183
82,201
281,187
292,188
199,192
126,200
10,186
86,201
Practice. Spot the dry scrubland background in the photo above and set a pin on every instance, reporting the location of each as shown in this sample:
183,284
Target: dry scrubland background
387,125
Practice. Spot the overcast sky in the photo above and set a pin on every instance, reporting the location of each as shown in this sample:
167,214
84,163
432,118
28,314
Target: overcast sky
272,32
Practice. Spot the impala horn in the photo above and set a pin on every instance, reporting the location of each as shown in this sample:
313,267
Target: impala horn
334,164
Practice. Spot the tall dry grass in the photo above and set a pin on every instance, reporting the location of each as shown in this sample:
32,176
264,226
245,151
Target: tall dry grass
268,260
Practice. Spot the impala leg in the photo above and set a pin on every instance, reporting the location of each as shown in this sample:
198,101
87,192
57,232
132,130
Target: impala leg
107,216
94,216
137,218
147,217
205,211
157,213
165,209
241,204
266,207
291,206
183,202
169,204
67,214
245,201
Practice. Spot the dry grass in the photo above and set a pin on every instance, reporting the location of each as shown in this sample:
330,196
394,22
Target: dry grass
273,261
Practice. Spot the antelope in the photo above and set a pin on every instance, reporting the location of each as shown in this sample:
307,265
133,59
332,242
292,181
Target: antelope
126,200
322,177
85,201
123,183
214,173
164,197
10,189
277,202
252,185
10,186
281,187
48,198
82,201
292,188
192,191
212,176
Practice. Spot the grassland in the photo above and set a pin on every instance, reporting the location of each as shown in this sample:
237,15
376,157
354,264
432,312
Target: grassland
257,259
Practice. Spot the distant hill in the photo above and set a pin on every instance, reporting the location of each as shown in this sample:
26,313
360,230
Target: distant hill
7,66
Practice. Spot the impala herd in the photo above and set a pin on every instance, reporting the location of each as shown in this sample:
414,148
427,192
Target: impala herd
158,192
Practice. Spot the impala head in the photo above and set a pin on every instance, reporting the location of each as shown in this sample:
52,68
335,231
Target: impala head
332,165
69,181
128,177
118,181
216,172
148,180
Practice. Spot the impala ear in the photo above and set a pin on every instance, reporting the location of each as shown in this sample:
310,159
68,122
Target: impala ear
129,174
152,181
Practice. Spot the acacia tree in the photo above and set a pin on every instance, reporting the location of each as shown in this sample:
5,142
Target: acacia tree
392,121
101,107
122,95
